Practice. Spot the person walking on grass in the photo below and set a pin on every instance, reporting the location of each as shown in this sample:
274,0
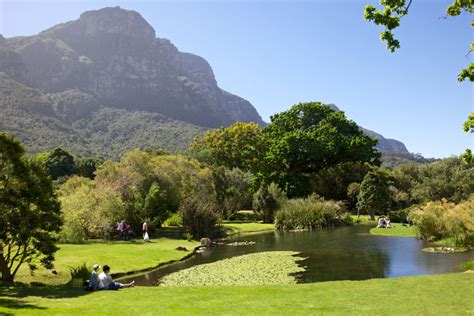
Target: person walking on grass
145,231
107,283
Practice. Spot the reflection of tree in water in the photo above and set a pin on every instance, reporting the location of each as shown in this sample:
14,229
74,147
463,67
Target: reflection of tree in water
360,265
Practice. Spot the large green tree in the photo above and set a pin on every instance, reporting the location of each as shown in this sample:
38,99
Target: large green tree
308,138
60,163
29,211
374,194
238,146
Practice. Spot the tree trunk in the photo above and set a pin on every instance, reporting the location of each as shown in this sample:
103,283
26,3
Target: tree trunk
372,215
7,277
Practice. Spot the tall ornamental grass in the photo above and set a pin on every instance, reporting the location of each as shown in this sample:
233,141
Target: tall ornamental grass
311,213
443,219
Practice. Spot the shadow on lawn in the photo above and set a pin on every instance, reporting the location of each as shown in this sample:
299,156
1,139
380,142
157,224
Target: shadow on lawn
16,304
50,292
11,296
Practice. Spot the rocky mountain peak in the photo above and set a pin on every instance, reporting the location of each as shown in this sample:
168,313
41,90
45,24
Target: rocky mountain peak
115,20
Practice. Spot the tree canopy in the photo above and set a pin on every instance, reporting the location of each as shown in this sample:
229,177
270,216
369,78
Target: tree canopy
309,137
374,194
29,211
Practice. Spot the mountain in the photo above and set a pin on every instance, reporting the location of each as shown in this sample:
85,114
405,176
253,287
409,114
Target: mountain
104,84
76,121
385,145
114,55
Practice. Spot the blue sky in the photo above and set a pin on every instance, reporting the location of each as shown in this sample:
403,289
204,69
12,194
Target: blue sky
278,53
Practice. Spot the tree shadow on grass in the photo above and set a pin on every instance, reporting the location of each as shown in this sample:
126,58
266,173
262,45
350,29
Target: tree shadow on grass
12,296
13,303
50,292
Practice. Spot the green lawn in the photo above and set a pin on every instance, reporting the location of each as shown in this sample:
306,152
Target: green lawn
449,294
120,256
397,230
232,228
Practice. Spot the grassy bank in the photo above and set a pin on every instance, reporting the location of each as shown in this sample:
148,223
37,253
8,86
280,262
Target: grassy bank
397,230
121,256
447,294
232,228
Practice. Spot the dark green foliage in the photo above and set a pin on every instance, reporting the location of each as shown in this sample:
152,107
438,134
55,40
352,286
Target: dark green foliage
85,167
353,191
267,201
311,213
29,211
199,219
234,190
375,196
333,183
60,163
156,205
308,138
449,178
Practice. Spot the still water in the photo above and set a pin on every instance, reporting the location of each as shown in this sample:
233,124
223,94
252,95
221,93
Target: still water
348,253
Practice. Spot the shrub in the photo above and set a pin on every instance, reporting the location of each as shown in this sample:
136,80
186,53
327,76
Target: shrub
244,216
73,232
443,219
311,213
199,218
173,220
267,201
401,216
80,272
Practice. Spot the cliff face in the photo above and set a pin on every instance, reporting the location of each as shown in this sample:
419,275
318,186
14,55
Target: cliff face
114,55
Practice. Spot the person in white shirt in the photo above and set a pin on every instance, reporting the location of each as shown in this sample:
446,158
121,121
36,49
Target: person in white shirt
107,283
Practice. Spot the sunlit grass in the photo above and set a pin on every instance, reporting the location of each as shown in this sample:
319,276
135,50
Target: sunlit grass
449,294
397,230
121,256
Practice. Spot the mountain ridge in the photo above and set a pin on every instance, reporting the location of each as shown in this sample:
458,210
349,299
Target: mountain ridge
114,55
105,79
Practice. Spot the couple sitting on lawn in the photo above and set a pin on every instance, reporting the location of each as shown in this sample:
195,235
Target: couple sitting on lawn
104,280
384,222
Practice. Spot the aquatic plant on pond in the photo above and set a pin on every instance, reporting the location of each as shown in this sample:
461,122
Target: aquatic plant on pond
264,268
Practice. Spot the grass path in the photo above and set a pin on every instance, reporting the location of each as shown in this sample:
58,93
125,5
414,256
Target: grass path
449,294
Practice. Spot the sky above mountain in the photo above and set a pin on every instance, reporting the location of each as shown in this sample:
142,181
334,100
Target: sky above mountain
278,53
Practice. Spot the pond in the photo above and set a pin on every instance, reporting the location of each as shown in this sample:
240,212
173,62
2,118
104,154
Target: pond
347,253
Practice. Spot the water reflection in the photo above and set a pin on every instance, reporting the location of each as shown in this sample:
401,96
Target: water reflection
347,253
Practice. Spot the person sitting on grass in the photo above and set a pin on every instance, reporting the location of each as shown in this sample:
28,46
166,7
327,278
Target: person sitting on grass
107,283
381,222
94,280
387,223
